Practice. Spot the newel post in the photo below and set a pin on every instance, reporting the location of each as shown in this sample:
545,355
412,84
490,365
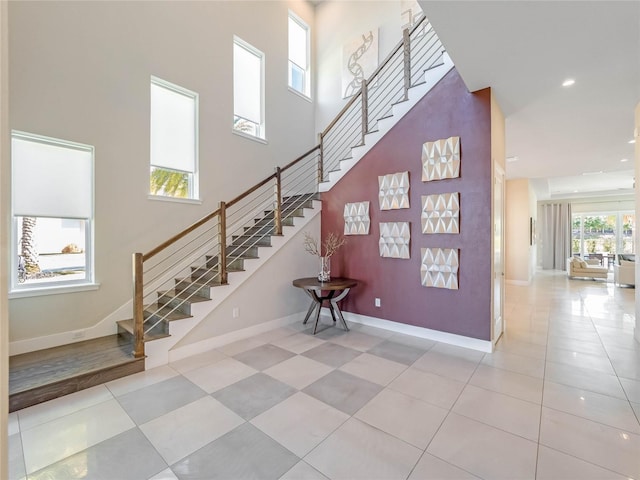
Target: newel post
321,160
278,213
406,47
222,234
138,306
365,108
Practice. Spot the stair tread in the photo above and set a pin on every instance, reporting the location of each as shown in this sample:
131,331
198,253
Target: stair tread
162,309
44,367
190,297
197,283
148,337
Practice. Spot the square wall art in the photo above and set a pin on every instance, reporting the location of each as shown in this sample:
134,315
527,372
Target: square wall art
394,239
393,192
441,213
356,218
439,268
441,159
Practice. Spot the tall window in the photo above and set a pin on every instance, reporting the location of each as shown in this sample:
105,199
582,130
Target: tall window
603,233
52,212
299,77
248,89
174,141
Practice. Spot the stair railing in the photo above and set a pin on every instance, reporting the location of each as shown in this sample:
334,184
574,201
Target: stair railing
221,237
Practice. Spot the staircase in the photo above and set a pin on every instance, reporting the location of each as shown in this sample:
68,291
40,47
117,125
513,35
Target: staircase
178,283
198,293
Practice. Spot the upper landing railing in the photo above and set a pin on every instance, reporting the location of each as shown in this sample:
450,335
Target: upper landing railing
214,242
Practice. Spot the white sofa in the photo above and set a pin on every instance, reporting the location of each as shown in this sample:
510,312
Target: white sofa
625,273
578,268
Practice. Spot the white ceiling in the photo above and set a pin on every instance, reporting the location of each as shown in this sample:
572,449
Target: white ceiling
524,50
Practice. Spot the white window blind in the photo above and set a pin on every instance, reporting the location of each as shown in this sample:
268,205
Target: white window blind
173,129
51,179
297,43
247,84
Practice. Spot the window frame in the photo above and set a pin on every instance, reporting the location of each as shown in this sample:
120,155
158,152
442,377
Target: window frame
261,135
17,289
193,195
306,71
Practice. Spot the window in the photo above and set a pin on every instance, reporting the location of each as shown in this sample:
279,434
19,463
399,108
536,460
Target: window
248,89
299,77
603,234
174,141
52,212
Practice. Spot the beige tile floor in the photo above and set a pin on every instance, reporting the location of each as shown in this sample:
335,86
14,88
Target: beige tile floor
558,399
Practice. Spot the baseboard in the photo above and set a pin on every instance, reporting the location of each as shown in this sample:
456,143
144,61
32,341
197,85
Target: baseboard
102,329
444,337
216,342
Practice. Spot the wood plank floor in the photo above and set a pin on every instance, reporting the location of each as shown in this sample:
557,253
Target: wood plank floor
36,377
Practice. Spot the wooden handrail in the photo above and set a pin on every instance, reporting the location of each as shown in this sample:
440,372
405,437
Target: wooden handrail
204,220
300,158
178,236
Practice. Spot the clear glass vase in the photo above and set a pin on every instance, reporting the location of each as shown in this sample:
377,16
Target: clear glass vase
324,274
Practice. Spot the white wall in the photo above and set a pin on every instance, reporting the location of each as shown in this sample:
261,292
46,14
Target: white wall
80,71
637,199
4,237
338,22
520,208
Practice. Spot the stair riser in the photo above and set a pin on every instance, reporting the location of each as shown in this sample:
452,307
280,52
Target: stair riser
179,304
270,222
162,329
234,263
203,291
286,212
260,240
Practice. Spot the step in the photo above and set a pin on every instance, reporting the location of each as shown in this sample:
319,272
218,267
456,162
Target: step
180,301
37,377
235,260
125,330
261,240
199,287
155,312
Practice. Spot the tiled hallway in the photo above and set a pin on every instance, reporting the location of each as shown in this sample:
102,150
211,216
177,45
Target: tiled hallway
559,399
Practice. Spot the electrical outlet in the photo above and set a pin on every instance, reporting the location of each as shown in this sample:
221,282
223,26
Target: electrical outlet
377,302
77,335
236,312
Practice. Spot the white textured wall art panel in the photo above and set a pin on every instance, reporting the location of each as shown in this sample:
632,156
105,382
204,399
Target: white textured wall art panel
439,268
393,191
441,159
394,239
441,213
356,218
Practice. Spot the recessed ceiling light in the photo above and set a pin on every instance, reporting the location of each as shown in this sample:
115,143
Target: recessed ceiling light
512,159
624,160
592,173
632,140
568,82
575,191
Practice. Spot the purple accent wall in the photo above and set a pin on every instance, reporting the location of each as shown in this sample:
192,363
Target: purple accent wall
448,110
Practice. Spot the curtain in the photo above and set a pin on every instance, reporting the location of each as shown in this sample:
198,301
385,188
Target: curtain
556,235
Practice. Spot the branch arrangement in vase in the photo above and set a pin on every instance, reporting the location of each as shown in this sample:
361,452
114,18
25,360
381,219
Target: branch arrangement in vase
330,246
